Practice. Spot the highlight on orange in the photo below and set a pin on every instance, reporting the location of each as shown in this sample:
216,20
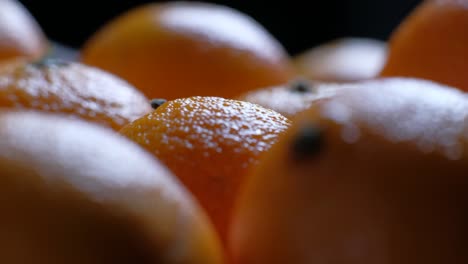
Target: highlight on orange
349,59
432,44
180,49
292,98
20,35
71,89
375,174
74,192
210,144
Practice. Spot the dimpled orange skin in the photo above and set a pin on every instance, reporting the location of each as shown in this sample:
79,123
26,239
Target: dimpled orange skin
289,99
72,89
431,44
209,143
181,49
375,174
73,192
20,35
343,60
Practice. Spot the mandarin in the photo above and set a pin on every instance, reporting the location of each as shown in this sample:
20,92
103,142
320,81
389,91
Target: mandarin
73,192
73,89
291,98
343,60
432,44
181,49
20,35
375,174
210,144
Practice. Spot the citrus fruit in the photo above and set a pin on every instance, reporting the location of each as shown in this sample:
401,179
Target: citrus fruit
431,44
291,98
209,143
181,49
73,89
343,60
73,192
375,174
20,35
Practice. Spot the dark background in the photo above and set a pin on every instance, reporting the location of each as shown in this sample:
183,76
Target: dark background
297,24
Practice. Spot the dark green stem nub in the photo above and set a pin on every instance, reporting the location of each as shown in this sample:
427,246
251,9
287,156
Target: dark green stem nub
48,62
301,86
308,142
156,103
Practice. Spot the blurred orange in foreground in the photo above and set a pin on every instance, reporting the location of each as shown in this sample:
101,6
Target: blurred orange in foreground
375,174
20,35
73,89
181,49
343,60
73,192
210,143
432,44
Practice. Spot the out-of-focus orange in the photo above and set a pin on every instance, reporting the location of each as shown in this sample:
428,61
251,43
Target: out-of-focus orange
20,35
181,49
292,98
73,89
72,192
210,144
375,174
432,44
343,60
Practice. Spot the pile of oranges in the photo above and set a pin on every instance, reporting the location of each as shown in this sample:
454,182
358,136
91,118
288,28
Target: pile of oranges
184,133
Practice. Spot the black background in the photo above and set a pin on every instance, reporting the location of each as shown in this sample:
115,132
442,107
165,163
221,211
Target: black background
297,24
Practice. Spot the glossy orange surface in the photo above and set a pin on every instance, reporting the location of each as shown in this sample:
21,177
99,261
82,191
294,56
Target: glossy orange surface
72,192
375,174
20,35
180,49
72,89
210,144
431,44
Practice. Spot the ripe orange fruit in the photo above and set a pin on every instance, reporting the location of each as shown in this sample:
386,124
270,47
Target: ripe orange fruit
20,35
73,89
432,44
375,174
181,49
343,60
72,192
209,143
292,98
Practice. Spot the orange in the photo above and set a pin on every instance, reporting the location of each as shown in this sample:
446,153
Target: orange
375,174
210,144
291,98
20,35
72,192
72,89
432,44
343,60
181,49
